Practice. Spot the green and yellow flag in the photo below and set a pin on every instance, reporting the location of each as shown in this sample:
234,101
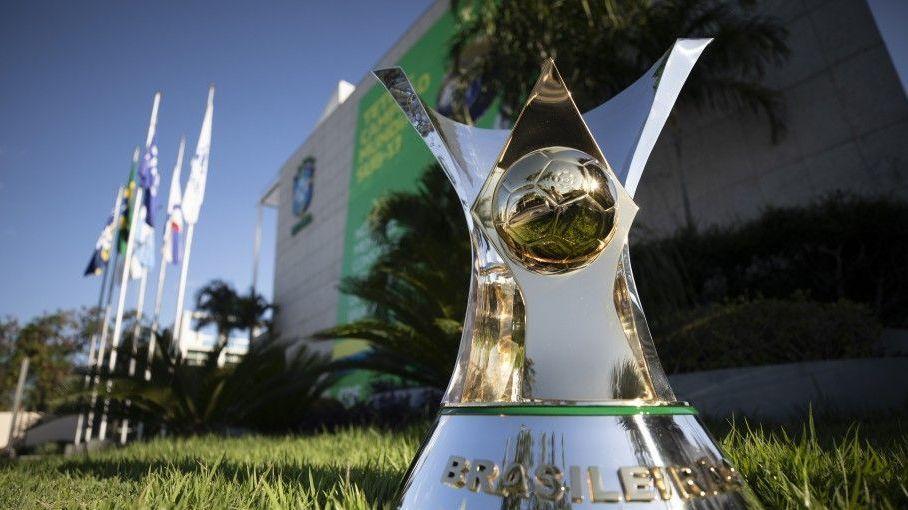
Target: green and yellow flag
129,206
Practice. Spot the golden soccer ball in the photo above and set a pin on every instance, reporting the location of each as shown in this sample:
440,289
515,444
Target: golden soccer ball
555,209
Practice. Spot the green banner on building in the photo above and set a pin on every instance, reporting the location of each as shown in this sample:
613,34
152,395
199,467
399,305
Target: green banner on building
387,156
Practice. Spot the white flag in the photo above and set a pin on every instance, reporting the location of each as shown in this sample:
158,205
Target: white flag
198,167
172,247
143,247
135,268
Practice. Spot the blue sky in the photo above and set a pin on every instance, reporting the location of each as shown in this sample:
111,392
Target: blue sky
76,82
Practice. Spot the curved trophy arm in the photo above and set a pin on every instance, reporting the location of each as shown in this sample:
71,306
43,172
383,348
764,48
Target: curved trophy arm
491,349
628,125
466,153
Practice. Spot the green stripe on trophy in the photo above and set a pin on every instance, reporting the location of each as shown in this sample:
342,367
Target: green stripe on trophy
568,410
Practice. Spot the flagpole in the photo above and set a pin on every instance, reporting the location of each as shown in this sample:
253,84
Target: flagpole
124,281
162,270
256,248
195,189
158,298
136,330
153,122
181,293
137,327
118,321
93,348
17,403
102,344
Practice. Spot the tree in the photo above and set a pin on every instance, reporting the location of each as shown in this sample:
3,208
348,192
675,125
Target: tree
9,330
603,46
52,342
416,290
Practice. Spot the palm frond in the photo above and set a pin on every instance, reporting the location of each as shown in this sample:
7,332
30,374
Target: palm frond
620,41
416,290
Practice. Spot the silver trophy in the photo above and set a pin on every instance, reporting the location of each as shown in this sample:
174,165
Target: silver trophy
558,399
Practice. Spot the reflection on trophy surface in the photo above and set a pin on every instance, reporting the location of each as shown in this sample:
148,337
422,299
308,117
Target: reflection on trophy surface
558,399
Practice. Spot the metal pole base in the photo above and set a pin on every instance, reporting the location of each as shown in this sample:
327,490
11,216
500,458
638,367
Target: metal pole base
571,457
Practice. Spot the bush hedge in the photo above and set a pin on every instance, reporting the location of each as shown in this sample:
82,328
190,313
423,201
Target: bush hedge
840,247
767,331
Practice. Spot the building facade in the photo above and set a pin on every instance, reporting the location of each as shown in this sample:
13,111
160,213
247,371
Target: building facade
847,118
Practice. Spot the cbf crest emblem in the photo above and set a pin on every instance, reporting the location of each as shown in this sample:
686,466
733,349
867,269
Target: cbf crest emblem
302,193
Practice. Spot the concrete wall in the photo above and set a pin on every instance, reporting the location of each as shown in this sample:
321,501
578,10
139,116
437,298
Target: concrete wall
847,125
308,264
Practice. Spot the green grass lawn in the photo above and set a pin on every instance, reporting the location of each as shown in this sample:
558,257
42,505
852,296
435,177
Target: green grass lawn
834,466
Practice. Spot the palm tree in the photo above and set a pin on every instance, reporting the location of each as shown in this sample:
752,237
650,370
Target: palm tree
218,303
250,312
271,389
417,288
603,46
222,306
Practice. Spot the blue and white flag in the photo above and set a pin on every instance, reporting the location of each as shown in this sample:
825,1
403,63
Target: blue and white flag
172,250
104,245
149,180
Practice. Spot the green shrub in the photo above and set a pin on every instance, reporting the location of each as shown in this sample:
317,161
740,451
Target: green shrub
840,247
767,331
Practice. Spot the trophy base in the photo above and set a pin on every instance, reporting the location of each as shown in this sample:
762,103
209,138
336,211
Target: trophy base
571,457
